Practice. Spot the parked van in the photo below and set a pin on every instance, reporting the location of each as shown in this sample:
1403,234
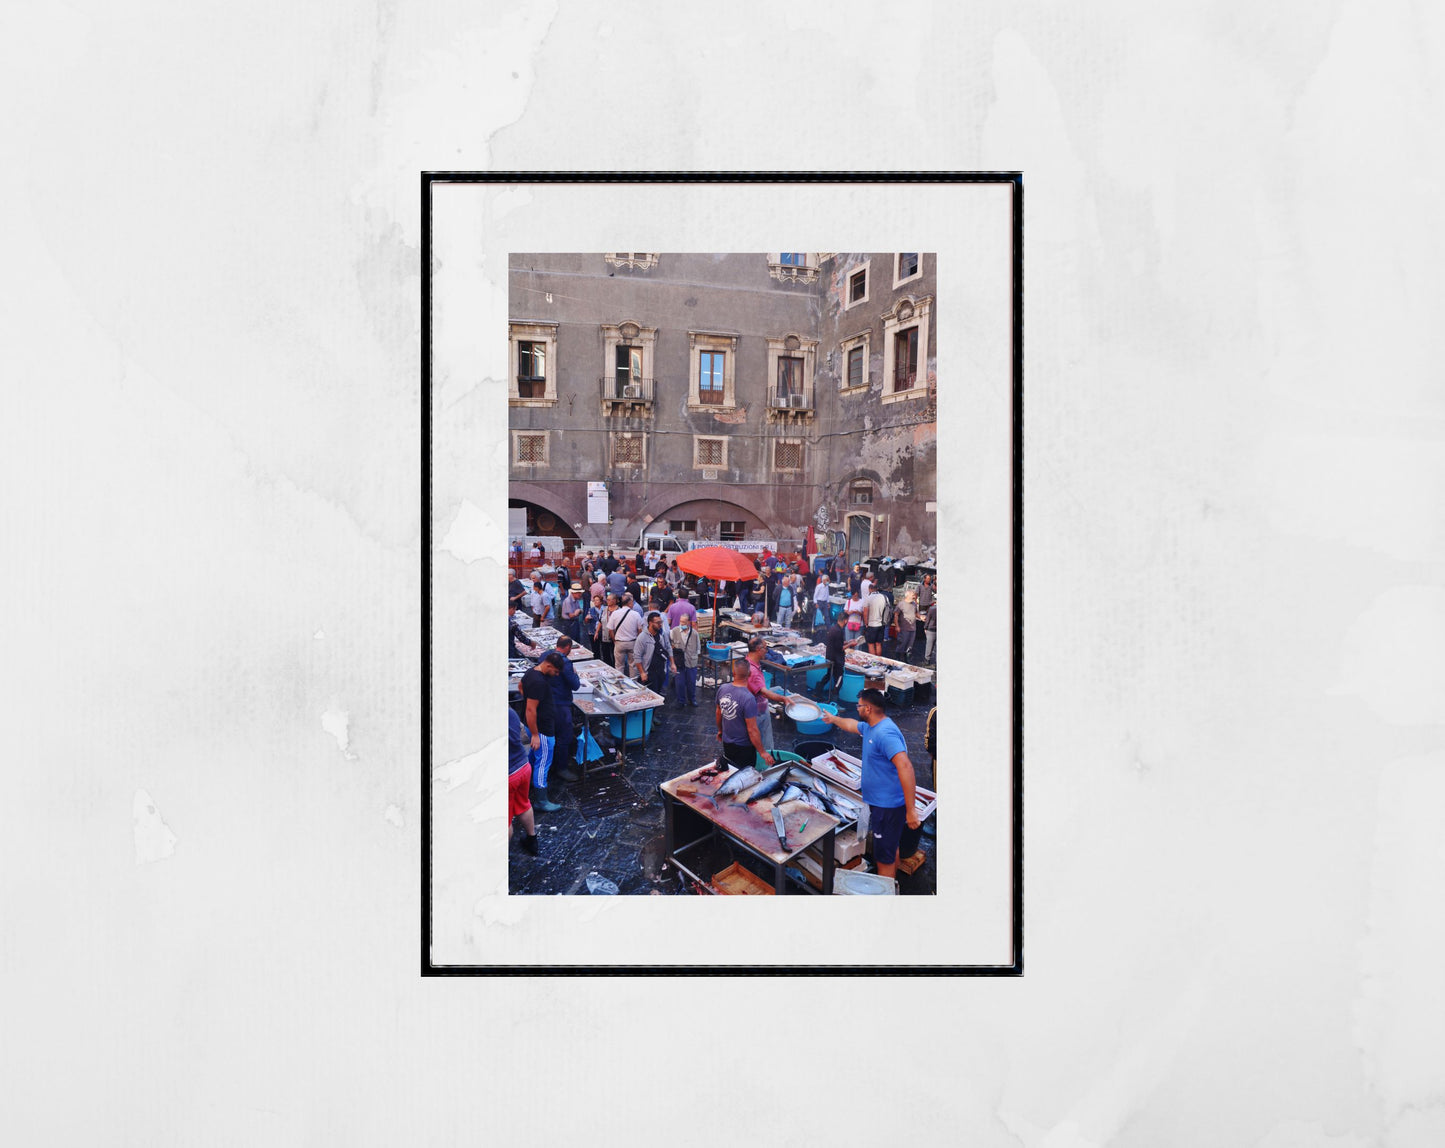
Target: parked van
665,544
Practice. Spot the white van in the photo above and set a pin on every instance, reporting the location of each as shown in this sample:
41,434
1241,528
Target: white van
664,544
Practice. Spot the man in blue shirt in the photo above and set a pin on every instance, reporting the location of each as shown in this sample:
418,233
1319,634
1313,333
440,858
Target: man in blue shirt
887,784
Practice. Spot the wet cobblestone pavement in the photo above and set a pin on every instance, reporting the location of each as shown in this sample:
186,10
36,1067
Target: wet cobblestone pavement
611,823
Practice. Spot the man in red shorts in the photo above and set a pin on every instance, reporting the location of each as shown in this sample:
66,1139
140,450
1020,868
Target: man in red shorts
519,780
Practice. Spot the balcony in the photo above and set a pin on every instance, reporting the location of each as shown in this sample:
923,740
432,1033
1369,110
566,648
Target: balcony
625,396
789,407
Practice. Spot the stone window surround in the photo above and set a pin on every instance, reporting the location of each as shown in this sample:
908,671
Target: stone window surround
612,450
519,332
697,464
546,438
638,260
863,339
848,300
697,343
788,273
898,266
625,332
907,312
778,348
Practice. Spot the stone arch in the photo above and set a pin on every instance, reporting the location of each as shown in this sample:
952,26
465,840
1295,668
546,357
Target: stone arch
661,504
560,502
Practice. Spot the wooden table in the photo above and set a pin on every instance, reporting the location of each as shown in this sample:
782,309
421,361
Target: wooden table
748,826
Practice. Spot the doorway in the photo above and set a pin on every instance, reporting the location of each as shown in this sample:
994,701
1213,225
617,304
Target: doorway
860,538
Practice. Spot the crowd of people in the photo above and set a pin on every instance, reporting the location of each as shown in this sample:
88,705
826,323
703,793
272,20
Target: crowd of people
652,636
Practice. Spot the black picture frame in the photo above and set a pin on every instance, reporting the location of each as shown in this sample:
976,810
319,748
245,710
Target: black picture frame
1015,179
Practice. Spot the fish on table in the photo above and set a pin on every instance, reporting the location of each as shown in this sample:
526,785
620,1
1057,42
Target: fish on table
791,793
771,780
738,782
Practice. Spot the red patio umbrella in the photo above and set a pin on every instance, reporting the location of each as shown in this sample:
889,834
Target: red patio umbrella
716,562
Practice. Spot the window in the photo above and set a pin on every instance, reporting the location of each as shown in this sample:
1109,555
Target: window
529,448
709,452
790,377
905,349
533,378
682,525
910,266
861,494
639,260
855,361
710,377
531,369
627,450
857,284
791,361
905,359
787,455
793,266
732,531
627,362
712,363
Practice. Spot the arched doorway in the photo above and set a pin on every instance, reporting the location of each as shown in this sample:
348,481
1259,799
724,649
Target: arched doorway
542,521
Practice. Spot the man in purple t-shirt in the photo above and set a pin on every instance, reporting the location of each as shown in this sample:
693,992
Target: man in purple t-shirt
737,720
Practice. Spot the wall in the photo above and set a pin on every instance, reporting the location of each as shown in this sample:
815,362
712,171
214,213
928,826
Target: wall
846,437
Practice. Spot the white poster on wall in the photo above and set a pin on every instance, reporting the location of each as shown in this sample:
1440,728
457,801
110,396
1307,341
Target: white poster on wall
597,503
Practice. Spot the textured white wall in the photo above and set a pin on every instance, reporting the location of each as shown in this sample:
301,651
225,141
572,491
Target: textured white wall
209,325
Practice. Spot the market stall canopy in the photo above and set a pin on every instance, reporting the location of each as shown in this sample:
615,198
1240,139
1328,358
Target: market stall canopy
717,562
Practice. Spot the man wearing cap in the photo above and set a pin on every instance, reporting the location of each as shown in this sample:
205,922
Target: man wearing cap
572,612
887,785
653,652
564,684
541,725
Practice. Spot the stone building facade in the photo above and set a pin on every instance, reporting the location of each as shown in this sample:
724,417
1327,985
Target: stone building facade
726,396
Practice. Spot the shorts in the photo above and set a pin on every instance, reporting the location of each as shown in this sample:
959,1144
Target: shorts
889,829
873,634
739,755
518,799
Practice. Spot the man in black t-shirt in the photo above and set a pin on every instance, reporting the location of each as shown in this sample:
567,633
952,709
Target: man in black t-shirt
541,724
515,591
835,643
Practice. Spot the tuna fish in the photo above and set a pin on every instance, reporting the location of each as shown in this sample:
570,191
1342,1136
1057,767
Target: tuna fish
771,780
792,793
738,782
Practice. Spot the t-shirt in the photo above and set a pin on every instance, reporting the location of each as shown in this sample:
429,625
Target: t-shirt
737,704
833,643
627,623
680,609
514,589
616,582
519,741
756,684
536,685
876,604
881,743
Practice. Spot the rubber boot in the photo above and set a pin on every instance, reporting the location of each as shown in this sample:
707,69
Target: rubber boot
529,843
541,802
